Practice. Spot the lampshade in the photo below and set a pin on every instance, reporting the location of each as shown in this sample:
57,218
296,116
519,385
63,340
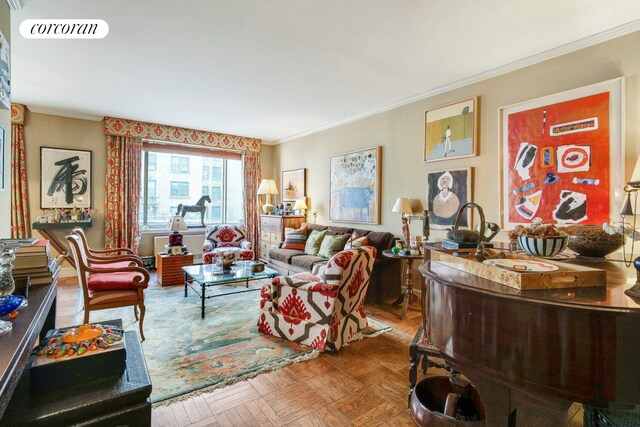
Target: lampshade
176,223
402,205
268,186
634,181
300,204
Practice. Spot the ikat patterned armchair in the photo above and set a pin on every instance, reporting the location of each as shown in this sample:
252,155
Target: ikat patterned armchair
226,238
322,310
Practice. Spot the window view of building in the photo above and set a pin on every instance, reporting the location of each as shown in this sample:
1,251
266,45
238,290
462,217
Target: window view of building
170,180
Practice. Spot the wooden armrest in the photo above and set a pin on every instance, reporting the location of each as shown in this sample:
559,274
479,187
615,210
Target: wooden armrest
108,260
108,251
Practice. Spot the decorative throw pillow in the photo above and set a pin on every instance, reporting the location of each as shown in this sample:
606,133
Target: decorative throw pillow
356,242
296,239
333,244
312,247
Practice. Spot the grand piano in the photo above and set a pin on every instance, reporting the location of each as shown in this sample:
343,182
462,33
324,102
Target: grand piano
551,346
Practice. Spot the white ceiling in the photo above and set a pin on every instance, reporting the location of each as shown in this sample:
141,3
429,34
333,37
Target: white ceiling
277,68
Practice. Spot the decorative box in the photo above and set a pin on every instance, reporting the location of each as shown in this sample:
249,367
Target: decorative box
76,367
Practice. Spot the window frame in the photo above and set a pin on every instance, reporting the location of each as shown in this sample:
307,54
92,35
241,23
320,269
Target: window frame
143,218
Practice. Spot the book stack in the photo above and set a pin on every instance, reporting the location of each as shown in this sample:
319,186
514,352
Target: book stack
33,260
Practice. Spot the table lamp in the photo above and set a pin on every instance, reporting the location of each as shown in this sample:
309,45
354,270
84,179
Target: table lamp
268,187
300,205
633,186
176,224
403,207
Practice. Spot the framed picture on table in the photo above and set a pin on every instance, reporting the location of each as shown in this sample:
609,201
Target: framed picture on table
562,157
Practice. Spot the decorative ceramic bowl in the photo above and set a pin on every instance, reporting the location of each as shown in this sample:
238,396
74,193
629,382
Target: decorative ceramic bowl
545,247
593,241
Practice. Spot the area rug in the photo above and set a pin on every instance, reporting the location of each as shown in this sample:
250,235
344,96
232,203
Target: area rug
186,354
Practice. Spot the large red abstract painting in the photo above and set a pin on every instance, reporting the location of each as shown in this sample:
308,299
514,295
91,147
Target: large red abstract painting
557,160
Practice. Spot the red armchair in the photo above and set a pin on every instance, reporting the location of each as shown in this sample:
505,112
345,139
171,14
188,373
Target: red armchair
324,311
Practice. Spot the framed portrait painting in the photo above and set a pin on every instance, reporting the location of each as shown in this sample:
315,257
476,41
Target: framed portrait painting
562,157
447,191
355,186
293,185
451,131
65,178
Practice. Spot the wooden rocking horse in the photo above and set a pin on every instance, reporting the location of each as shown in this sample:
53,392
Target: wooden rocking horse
198,207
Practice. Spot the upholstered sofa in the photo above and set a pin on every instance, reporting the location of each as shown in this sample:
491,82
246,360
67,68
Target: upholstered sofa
385,281
323,311
226,238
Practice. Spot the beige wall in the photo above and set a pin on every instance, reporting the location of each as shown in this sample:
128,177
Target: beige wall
401,131
5,123
266,161
43,130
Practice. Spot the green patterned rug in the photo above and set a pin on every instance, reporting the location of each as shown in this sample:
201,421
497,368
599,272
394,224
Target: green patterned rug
185,353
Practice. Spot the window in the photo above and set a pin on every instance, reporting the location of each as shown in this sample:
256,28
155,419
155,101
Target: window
163,192
216,213
216,194
152,161
216,173
179,164
179,189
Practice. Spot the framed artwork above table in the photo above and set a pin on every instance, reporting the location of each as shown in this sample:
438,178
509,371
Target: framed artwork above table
562,156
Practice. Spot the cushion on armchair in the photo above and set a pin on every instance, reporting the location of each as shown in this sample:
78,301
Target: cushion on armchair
112,281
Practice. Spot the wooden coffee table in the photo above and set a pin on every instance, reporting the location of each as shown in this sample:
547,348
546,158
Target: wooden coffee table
203,276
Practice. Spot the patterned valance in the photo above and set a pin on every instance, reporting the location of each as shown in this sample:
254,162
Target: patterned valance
17,114
131,128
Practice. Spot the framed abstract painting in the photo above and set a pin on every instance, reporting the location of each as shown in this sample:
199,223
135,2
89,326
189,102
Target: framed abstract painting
65,178
451,131
5,74
293,185
3,168
447,191
562,157
355,186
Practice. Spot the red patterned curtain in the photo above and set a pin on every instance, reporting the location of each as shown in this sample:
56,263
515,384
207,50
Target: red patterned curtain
20,225
122,192
252,173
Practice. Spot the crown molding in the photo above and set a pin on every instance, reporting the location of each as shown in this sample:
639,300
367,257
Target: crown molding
592,40
63,113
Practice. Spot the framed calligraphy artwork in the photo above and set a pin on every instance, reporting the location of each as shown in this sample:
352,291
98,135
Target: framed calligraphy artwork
65,178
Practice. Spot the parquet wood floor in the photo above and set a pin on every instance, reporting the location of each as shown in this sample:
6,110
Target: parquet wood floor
365,384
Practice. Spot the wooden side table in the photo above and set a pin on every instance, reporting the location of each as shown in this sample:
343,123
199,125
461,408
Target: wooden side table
408,297
170,268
